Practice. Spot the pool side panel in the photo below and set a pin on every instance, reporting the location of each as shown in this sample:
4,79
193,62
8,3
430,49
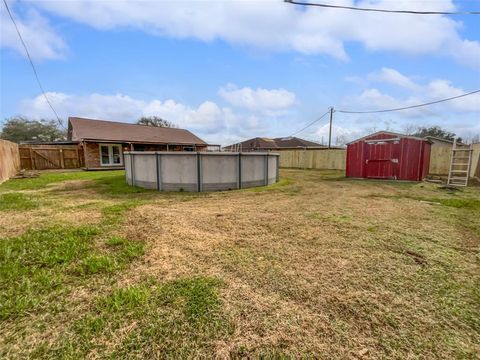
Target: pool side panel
187,171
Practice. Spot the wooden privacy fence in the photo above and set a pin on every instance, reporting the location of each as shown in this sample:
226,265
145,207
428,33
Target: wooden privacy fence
9,159
475,166
440,160
335,159
332,159
440,157
61,156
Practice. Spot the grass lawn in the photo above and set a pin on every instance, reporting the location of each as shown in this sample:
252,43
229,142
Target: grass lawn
314,266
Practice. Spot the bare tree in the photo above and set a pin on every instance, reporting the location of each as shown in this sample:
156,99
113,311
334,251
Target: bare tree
409,129
155,121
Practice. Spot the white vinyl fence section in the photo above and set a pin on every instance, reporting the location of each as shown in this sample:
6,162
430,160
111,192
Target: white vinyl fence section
200,171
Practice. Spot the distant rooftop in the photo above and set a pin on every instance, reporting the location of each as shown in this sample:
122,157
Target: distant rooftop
261,143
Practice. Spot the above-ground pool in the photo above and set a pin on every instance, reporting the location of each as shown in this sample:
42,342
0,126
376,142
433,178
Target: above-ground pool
200,171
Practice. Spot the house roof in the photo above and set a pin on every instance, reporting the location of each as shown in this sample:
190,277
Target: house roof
38,142
433,138
277,143
389,133
82,129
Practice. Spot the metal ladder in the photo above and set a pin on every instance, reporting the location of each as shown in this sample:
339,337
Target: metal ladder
460,164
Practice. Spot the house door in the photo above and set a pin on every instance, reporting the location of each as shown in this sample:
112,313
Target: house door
111,155
381,159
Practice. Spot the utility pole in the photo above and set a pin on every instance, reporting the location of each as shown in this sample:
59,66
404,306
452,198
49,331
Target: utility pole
330,130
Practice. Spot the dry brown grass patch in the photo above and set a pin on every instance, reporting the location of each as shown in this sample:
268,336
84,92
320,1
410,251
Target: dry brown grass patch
344,269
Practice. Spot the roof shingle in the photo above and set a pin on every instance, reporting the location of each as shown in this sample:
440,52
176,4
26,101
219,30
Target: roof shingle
100,130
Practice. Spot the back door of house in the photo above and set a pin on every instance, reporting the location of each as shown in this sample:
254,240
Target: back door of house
381,159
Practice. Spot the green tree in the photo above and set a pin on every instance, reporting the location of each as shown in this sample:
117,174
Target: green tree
20,128
435,131
155,121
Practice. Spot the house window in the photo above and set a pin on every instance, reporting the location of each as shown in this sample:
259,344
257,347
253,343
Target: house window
110,154
188,148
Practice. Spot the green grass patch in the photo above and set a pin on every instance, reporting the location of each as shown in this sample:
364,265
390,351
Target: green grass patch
116,185
48,178
283,185
116,241
16,202
472,204
180,318
113,214
34,267
94,264
119,254
124,299
110,183
40,265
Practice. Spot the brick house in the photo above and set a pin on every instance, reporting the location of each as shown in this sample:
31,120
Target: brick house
103,142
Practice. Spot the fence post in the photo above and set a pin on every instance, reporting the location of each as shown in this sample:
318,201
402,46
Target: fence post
32,161
239,172
159,167
304,158
278,168
62,158
199,173
132,169
266,169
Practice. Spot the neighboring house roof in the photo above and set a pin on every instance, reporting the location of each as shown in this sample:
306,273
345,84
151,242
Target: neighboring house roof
389,133
433,138
81,129
276,143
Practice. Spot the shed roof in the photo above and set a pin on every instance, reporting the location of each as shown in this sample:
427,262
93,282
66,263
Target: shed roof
433,138
389,133
81,129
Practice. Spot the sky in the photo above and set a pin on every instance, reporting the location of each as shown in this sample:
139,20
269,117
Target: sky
233,70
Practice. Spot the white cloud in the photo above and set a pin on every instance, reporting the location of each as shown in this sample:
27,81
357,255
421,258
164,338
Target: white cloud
222,125
374,99
261,100
340,135
42,41
393,77
461,115
114,107
275,25
209,120
206,117
440,89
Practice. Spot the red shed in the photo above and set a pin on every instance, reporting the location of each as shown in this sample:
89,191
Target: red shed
388,155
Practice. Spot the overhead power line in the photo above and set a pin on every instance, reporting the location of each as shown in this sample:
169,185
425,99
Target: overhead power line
408,107
332,110
313,122
32,64
413,12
